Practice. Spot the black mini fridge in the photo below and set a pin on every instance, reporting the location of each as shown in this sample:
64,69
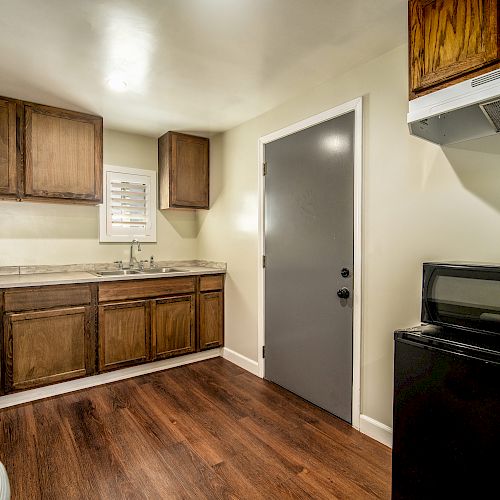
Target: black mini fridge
446,427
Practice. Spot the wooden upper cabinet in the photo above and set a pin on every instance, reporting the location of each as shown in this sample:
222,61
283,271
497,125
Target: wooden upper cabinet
183,164
63,154
8,168
451,40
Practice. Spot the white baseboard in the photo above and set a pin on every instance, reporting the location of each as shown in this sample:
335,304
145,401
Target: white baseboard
376,430
242,361
104,378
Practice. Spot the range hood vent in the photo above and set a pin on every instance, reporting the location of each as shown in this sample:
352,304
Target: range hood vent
492,111
467,110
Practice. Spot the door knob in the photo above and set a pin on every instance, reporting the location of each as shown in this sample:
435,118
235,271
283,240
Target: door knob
343,293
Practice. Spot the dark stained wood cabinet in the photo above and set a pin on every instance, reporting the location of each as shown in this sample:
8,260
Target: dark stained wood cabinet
49,154
124,334
55,333
183,169
8,145
211,319
43,347
48,334
63,154
450,41
173,326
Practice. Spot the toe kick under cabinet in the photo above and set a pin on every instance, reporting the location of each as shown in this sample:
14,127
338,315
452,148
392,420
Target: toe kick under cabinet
55,333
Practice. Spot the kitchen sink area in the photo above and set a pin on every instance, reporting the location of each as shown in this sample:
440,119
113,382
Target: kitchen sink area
118,272
163,270
22,276
150,271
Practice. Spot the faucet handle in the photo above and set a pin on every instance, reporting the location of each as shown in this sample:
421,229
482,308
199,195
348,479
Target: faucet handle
119,263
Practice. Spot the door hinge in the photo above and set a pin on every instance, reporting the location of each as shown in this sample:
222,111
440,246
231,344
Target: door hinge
263,261
263,351
264,168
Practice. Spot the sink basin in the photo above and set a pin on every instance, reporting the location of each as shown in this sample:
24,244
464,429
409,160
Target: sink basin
162,270
118,272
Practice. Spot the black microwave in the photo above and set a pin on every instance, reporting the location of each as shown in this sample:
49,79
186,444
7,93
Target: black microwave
462,296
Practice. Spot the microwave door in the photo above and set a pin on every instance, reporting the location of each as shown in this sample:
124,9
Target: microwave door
462,301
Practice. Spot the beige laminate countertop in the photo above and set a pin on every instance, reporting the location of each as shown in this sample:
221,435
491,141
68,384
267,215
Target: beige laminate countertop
66,278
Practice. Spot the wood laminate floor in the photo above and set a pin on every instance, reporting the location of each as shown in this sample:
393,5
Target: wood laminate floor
206,430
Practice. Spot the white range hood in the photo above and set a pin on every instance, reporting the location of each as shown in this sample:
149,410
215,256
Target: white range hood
467,110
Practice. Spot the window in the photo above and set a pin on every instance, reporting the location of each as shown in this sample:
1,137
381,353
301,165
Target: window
129,208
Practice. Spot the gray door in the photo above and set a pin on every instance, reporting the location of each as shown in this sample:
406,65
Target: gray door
308,242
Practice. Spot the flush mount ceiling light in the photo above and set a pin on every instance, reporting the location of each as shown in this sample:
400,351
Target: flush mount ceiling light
116,84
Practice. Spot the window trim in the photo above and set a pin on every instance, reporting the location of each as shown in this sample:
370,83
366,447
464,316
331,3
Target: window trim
104,237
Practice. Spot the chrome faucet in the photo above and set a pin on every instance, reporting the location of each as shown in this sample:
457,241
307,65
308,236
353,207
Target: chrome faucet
133,260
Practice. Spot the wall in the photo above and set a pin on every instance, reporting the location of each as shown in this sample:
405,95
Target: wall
421,202
41,233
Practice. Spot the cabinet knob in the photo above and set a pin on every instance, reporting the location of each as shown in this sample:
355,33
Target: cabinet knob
343,293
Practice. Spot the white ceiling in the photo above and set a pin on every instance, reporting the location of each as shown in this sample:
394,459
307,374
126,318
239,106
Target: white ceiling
190,65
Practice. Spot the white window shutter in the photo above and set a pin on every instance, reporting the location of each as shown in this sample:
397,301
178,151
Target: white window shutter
129,208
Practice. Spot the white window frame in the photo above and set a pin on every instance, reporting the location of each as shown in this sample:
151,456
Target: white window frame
105,234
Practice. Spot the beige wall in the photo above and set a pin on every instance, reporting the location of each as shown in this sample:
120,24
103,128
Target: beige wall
420,202
41,233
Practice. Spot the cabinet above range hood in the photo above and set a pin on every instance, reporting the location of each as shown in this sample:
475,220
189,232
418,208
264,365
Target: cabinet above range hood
466,110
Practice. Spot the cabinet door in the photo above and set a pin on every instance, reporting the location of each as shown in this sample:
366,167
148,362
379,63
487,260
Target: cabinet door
211,319
183,171
8,169
63,154
44,347
449,39
173,326
124,334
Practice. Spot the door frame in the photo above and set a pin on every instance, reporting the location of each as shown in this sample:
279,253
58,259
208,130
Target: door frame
355,105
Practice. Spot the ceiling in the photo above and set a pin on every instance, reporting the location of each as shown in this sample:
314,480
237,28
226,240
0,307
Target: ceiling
189,65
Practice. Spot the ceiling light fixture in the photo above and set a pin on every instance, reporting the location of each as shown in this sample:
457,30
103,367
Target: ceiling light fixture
117,84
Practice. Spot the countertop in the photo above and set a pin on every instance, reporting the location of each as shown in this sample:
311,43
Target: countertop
70,277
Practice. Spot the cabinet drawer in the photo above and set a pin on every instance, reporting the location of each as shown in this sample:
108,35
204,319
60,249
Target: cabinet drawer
44,347
209,283
137,289
27,299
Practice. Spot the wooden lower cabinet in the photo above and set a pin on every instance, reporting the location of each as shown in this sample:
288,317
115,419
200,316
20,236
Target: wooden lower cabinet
211,319
43,347
124,334
173,326
60,332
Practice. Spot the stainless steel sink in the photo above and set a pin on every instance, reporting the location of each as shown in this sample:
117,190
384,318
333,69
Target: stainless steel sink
118,272
163,270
